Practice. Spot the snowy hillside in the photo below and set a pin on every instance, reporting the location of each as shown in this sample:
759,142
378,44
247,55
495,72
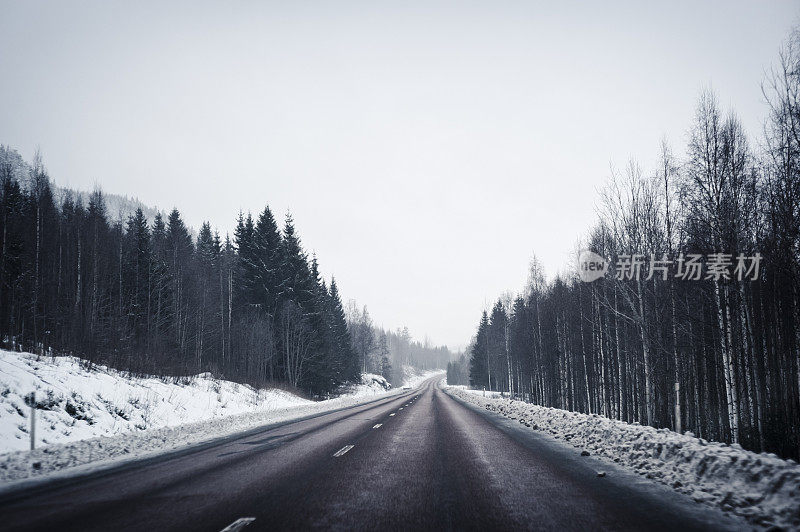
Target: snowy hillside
760,487
73,403
118,207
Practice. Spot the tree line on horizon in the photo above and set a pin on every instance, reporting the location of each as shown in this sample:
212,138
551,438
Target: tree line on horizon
387,353
148,298
719,357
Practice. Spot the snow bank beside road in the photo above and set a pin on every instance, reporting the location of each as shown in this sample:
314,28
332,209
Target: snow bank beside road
760,487
74,403
482,393
102,416
108,451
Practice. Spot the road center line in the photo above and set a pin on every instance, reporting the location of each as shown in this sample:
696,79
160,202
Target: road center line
377,426
238,524
341,451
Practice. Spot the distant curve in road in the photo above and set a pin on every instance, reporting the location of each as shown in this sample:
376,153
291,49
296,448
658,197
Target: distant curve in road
419,460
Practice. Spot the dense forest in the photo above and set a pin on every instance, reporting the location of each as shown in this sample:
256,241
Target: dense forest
147,297
718,356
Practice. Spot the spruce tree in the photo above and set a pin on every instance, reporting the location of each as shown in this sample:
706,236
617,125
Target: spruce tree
179,250
245,270
136,280
266,260
345,354
478,364
295,283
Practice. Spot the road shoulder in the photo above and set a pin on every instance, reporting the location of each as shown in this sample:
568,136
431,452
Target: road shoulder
111,455
604,475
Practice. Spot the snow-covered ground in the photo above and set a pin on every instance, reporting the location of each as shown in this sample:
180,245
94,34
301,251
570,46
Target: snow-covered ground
371,384
763,488
93,418
482,393
74,403
413,377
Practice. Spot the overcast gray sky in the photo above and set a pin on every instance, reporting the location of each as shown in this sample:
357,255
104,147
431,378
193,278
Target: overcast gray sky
426,150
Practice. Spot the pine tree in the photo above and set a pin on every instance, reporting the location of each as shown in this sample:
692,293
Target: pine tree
207,311
136,278
479,360
383,354
266,261
344,354
323,372
179,251
245,270
11,253
295,282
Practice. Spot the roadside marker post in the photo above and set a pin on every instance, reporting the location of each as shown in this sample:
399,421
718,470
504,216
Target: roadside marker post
33,420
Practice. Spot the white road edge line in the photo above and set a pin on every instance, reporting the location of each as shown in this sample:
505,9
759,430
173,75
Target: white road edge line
377,426
238,524
341,451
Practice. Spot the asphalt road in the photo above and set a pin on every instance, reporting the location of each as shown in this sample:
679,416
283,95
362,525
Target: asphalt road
417,461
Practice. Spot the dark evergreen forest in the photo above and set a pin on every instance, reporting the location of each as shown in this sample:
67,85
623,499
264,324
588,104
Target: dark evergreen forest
147,297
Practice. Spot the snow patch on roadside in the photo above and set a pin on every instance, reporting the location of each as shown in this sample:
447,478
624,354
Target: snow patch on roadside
371,384
763,488
488,394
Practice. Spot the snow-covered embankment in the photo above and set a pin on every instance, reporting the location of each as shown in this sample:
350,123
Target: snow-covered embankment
100,415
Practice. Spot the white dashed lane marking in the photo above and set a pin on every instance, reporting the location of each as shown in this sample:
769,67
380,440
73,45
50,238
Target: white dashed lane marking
238,524
341,451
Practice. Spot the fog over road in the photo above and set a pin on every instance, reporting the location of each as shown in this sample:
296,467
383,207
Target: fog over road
418,460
